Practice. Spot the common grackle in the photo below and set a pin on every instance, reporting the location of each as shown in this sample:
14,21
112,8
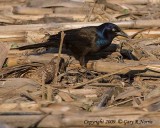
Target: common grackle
83,40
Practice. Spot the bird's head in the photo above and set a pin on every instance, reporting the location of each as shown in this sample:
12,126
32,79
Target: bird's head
110,31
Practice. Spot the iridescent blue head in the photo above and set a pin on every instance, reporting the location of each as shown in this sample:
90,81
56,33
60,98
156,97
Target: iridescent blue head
107,32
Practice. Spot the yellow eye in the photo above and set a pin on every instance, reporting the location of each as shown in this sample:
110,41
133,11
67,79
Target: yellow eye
113,30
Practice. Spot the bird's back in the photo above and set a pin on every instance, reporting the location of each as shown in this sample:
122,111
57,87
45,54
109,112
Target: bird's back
79,40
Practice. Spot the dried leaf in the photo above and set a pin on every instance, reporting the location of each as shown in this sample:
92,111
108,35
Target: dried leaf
128,93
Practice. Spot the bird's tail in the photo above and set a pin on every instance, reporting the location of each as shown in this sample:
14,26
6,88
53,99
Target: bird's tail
33,46
53,41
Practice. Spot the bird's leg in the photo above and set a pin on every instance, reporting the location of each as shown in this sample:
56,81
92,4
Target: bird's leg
83,64
82,61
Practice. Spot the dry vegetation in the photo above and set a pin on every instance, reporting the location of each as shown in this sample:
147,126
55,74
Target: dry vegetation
119,87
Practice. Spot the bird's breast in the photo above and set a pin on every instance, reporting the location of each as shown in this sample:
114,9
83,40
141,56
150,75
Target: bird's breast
102,42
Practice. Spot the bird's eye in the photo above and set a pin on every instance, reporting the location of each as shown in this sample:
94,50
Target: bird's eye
113,30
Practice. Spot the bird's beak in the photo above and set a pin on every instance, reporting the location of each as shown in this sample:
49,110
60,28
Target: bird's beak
121,33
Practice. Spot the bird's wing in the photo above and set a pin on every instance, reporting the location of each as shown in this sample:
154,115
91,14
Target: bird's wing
77,37
82,36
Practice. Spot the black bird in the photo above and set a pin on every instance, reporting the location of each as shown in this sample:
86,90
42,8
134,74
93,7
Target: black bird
84,40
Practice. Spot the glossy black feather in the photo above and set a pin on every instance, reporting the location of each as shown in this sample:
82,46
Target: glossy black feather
83,40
